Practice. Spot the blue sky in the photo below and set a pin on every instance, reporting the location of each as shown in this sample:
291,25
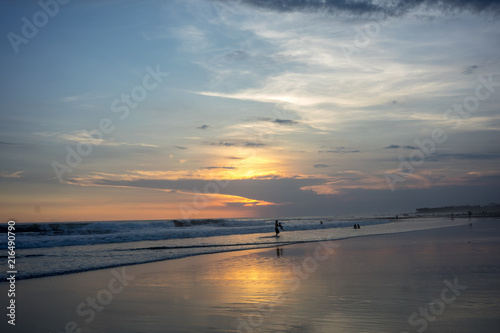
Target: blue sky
247,108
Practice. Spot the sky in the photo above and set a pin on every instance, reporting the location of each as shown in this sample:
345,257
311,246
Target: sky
139,110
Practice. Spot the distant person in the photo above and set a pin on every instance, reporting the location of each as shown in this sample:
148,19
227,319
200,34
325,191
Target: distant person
321,222
452,216
359,226
276,229
355,226
470,213
397,217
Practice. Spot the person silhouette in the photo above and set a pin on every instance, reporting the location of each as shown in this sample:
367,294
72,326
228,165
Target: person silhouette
276,229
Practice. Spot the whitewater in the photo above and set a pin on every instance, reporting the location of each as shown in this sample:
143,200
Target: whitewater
45,249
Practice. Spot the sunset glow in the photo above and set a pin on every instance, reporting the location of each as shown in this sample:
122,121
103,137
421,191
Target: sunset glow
138,111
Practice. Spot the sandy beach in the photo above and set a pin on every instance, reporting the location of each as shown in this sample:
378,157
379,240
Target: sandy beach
440,280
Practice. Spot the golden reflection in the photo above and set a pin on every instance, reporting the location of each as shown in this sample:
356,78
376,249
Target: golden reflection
255,279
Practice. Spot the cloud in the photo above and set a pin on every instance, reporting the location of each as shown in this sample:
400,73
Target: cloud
280,121
192,38
83,97
83,136
237,55
214,167
277,189
358,7
375,7
179,147
285,122
221,143
248,144
16,174
340,150
335,185
470,69
189,183
463,156
255,144
341,182
202,175
73,136
314,80
398,147
203,127
321,166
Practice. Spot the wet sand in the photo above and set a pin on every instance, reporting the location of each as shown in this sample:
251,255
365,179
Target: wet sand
440,280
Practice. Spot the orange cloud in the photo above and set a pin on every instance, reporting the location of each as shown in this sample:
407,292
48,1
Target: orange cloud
335,185
347,180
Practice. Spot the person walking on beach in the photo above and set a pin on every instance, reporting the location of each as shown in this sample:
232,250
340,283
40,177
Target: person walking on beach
276,229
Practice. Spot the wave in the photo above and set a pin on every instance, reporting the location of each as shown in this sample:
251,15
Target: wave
70,228
40,235
127,243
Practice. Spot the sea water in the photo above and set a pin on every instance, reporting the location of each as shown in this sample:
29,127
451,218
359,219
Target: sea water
45,249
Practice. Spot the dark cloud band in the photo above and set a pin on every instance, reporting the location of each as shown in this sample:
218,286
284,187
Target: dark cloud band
373,7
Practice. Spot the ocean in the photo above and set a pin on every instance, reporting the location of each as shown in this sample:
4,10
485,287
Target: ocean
46,249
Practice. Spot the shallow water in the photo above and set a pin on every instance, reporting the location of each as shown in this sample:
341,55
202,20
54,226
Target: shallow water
364,284
36,258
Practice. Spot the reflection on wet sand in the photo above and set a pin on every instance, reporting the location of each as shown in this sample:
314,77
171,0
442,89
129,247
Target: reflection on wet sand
368,284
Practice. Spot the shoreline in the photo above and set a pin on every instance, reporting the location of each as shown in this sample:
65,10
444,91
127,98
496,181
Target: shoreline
359,284
297,237
345,233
